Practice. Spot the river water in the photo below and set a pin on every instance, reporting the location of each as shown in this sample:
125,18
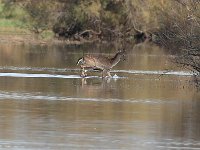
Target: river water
149,103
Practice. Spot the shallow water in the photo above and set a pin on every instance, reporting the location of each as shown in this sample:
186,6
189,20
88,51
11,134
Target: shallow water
149,103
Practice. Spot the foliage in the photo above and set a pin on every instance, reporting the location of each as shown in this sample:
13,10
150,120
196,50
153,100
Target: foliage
94,15
9,10
39,16
180,31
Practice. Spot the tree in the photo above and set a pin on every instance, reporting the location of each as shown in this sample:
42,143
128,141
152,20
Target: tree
40,15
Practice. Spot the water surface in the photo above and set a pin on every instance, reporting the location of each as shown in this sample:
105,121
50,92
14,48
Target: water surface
149,103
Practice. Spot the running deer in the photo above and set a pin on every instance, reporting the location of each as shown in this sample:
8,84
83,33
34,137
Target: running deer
102,63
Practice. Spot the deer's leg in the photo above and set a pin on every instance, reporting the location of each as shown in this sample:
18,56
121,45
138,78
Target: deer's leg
83,73
103,74
108,73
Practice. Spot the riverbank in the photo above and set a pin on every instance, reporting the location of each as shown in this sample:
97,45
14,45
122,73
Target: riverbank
11,33
31,39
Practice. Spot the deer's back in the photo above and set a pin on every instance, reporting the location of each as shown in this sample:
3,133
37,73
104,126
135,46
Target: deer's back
100,62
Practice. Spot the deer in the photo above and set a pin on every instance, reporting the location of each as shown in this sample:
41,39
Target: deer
101,63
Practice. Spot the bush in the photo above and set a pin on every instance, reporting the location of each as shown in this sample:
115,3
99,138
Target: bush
40,15
180,32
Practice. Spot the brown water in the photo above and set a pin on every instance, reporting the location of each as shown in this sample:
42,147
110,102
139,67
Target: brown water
44,104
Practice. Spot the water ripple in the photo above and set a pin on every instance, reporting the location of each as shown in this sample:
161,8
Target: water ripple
145,72
13,68
171,72
29,75
37,96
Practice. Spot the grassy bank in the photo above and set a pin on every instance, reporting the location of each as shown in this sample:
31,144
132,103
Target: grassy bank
10,22
14,31
14,27
11,27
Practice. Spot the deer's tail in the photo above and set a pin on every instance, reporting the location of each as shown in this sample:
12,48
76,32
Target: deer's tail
80,61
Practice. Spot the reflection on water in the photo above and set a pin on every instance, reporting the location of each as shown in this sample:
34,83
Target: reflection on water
149,103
